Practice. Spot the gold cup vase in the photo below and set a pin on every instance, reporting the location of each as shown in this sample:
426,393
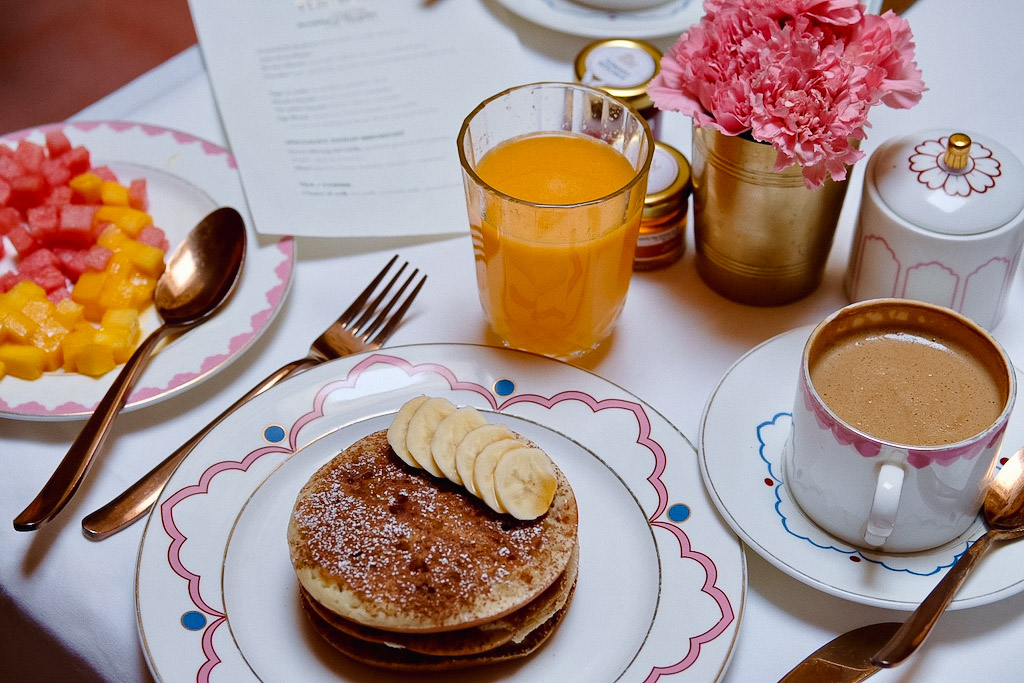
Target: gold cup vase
762,238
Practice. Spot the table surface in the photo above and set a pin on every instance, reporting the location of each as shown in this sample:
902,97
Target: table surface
67,604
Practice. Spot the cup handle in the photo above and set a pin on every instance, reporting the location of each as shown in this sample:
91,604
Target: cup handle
882,517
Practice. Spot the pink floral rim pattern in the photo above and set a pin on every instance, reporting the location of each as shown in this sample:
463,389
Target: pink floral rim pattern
290,444
918,458
258,320
978,176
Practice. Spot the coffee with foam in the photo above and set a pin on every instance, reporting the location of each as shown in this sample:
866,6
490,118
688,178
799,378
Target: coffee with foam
913,380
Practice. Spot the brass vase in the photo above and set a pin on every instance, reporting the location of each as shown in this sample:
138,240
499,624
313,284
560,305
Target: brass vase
762,237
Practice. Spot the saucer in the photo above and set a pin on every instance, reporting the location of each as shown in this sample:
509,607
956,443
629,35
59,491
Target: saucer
575,18
743,431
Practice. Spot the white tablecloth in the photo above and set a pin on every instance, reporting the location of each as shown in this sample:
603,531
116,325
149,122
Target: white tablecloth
67,604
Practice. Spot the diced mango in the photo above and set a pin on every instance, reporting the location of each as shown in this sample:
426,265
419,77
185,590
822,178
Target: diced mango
142,290
112,237
48,341
69,312
132,221
148,259
116,292
88,186
22,293
17,326
21,360
95,359
86,292
114,194
73,343
3,369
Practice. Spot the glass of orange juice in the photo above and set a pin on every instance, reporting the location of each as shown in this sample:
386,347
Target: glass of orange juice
555,176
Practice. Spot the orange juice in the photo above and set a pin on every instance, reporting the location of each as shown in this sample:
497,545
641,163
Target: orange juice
555,254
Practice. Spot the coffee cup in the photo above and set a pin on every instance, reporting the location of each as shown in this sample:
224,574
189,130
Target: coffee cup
898,419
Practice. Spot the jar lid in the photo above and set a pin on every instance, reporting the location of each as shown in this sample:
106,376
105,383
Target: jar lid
950,182
622,67
669,182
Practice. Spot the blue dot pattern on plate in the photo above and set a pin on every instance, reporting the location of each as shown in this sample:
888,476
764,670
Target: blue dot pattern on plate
193,621
273,433
504,387
679,512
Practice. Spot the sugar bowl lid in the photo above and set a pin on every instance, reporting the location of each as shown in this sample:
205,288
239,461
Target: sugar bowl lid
950,182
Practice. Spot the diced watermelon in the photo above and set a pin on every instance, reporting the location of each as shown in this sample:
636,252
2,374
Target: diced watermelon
10,168
96,257
49,278
57,143
39,259
9,217
1,248
27,190
5,192
42,222
9,279
21,240
104,172
76,227
55,173
60,195
138,198
30,155
70,261
154,237
58,295
76,160
6,152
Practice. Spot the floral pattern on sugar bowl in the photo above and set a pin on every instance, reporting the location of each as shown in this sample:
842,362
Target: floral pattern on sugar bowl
942,221
980,173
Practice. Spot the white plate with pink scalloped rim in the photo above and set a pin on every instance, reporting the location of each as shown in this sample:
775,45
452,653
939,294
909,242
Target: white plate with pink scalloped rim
186,178
662,580
744,428
576,18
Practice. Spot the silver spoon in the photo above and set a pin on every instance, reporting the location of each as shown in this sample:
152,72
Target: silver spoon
200,275
1004,514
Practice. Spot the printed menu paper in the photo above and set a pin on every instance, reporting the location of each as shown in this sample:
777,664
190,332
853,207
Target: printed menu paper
343,114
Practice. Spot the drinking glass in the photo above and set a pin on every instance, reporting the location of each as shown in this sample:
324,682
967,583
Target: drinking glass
553,274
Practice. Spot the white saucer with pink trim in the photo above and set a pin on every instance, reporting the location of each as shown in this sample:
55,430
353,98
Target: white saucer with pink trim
661,583
743,431
186,178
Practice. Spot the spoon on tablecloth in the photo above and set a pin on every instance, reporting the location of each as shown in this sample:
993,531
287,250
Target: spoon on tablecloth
1004,514
200,275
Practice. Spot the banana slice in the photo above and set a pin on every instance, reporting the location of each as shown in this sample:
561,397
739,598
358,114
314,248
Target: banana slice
449,434
400,427
483,470
524,482
422,426
470,447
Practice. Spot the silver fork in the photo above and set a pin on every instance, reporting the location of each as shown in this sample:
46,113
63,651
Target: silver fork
364,326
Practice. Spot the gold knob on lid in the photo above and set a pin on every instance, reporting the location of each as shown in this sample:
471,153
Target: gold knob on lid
958,151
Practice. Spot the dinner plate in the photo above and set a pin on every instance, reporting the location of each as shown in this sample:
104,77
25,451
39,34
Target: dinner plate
186,178
744,429
568,16
662,580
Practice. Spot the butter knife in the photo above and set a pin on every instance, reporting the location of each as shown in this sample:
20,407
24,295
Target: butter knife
844,659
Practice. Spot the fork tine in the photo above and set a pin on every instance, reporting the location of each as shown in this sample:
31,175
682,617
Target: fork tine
357,305
364,333
392,323
371,309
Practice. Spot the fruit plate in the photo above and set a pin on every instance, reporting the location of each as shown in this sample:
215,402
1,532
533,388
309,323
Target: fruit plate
662,580
186,178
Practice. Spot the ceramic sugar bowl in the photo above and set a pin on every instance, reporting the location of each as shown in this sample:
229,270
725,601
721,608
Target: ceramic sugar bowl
941,221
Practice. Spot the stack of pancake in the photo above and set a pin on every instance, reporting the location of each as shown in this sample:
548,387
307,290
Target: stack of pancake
405,570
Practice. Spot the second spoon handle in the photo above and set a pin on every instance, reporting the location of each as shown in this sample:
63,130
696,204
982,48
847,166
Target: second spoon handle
69,474
138,498
916,628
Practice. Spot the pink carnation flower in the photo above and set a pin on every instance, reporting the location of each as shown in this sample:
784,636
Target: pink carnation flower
799,74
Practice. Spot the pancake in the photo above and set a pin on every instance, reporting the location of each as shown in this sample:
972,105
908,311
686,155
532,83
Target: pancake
402,659
514,628
390,547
